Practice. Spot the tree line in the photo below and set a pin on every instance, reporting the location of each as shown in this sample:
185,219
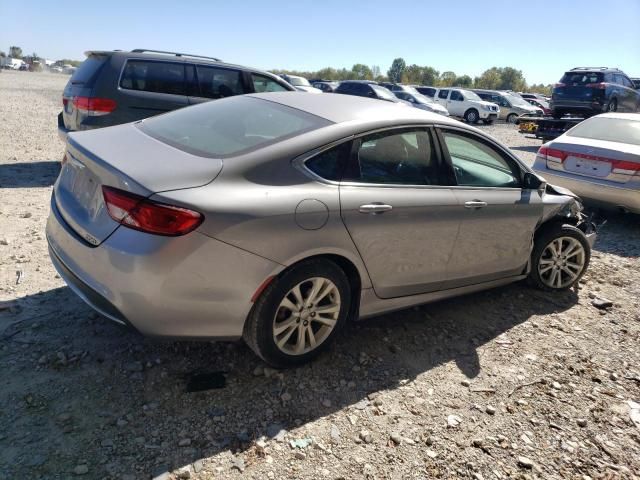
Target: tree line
495,78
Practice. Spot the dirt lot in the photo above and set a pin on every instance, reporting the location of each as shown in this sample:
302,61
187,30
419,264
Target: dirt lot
509,383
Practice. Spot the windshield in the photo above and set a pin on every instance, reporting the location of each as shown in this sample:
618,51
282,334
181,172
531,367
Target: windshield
469,95
384,93
299,81
609,129
422,98
230,126
518,101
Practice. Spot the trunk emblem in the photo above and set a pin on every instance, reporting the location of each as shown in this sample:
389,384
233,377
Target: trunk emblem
91,239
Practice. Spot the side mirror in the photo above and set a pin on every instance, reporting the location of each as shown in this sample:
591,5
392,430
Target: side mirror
533,182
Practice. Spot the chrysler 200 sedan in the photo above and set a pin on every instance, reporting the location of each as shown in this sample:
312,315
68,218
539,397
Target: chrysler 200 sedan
278,218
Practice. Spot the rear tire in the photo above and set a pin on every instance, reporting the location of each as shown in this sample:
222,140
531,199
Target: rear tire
612,106
286,327
471,116
560,256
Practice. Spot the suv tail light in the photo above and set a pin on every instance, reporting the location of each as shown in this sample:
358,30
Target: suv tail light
552,154
94,106
139,213
599,86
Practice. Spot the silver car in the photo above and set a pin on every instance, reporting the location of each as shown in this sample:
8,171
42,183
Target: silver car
279,217
599,159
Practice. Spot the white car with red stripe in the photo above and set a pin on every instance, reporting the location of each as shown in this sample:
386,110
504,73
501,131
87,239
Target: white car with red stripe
598,159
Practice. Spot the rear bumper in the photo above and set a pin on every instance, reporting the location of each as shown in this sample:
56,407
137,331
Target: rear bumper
594,191
189,287
62,130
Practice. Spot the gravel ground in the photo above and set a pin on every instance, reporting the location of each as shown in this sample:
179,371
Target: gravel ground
509,383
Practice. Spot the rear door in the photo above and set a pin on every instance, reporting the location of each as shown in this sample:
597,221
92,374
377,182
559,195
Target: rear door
150,87
398,213
441,97
212,82
497,215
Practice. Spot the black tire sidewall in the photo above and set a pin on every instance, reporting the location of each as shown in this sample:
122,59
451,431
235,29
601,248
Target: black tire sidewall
471,111
512,116
265,309
547,236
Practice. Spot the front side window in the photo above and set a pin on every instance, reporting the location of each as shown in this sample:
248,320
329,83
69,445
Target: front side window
478,164
216,82
443,94
265,84
158,77
400,158
231,126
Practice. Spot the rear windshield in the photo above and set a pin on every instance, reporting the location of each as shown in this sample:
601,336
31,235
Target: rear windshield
609,129
581,78
88,69
231,126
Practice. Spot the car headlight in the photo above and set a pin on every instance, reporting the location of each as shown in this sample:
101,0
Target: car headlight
486,107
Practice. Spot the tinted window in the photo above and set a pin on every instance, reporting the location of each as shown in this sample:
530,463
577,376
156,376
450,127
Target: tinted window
429,92
456,95
159,77
330,164
230,126
219,82
622,80
478,164
88,68
443,93
581,78
266,84
403,158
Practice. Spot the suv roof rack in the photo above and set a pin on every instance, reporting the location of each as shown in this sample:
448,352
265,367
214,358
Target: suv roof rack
594,68
146,50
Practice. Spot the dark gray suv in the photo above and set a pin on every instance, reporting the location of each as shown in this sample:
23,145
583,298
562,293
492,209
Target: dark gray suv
114,87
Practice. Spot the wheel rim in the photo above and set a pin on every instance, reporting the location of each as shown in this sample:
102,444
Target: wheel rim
561,262
511,118
306,316
472,116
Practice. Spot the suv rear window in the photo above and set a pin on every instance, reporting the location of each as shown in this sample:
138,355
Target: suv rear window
231,126
581,78
159,77
88,69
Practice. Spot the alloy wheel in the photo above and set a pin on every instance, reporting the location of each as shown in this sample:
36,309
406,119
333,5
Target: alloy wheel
306,316
561,263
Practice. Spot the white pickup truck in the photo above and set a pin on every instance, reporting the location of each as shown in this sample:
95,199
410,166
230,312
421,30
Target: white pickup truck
466,104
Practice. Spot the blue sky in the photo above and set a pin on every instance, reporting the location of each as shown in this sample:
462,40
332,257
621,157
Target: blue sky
542,37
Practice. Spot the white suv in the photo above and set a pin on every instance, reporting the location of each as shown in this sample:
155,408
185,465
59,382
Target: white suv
466,104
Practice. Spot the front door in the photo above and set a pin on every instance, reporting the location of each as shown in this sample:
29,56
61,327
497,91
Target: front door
397,211
497,215
455,104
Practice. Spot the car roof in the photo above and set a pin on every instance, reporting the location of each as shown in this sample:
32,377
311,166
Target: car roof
347,108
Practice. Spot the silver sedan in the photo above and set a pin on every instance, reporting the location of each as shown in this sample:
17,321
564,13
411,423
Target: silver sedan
279,217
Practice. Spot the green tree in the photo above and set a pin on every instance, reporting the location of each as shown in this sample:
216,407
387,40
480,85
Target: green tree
447,79
15,52
375,71
464,81
397,69
361,72
490,79
412,74
429,76
512,79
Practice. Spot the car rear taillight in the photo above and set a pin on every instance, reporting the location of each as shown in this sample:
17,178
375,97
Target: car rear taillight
624,167
599,86
94,106
65,101
139,213
552,154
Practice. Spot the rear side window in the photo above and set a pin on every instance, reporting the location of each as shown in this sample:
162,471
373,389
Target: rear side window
158,77
575,79
330,163
88,69
456,95
443,94
216,82
266,84
229,127
429,92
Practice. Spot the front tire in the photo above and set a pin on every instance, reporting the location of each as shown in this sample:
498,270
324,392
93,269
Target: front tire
511,118
471,116
299,313
560,257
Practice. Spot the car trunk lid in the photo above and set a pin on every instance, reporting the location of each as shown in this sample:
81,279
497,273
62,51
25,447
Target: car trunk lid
125,158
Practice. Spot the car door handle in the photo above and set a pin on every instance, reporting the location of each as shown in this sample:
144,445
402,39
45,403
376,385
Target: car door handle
475,204
375,208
